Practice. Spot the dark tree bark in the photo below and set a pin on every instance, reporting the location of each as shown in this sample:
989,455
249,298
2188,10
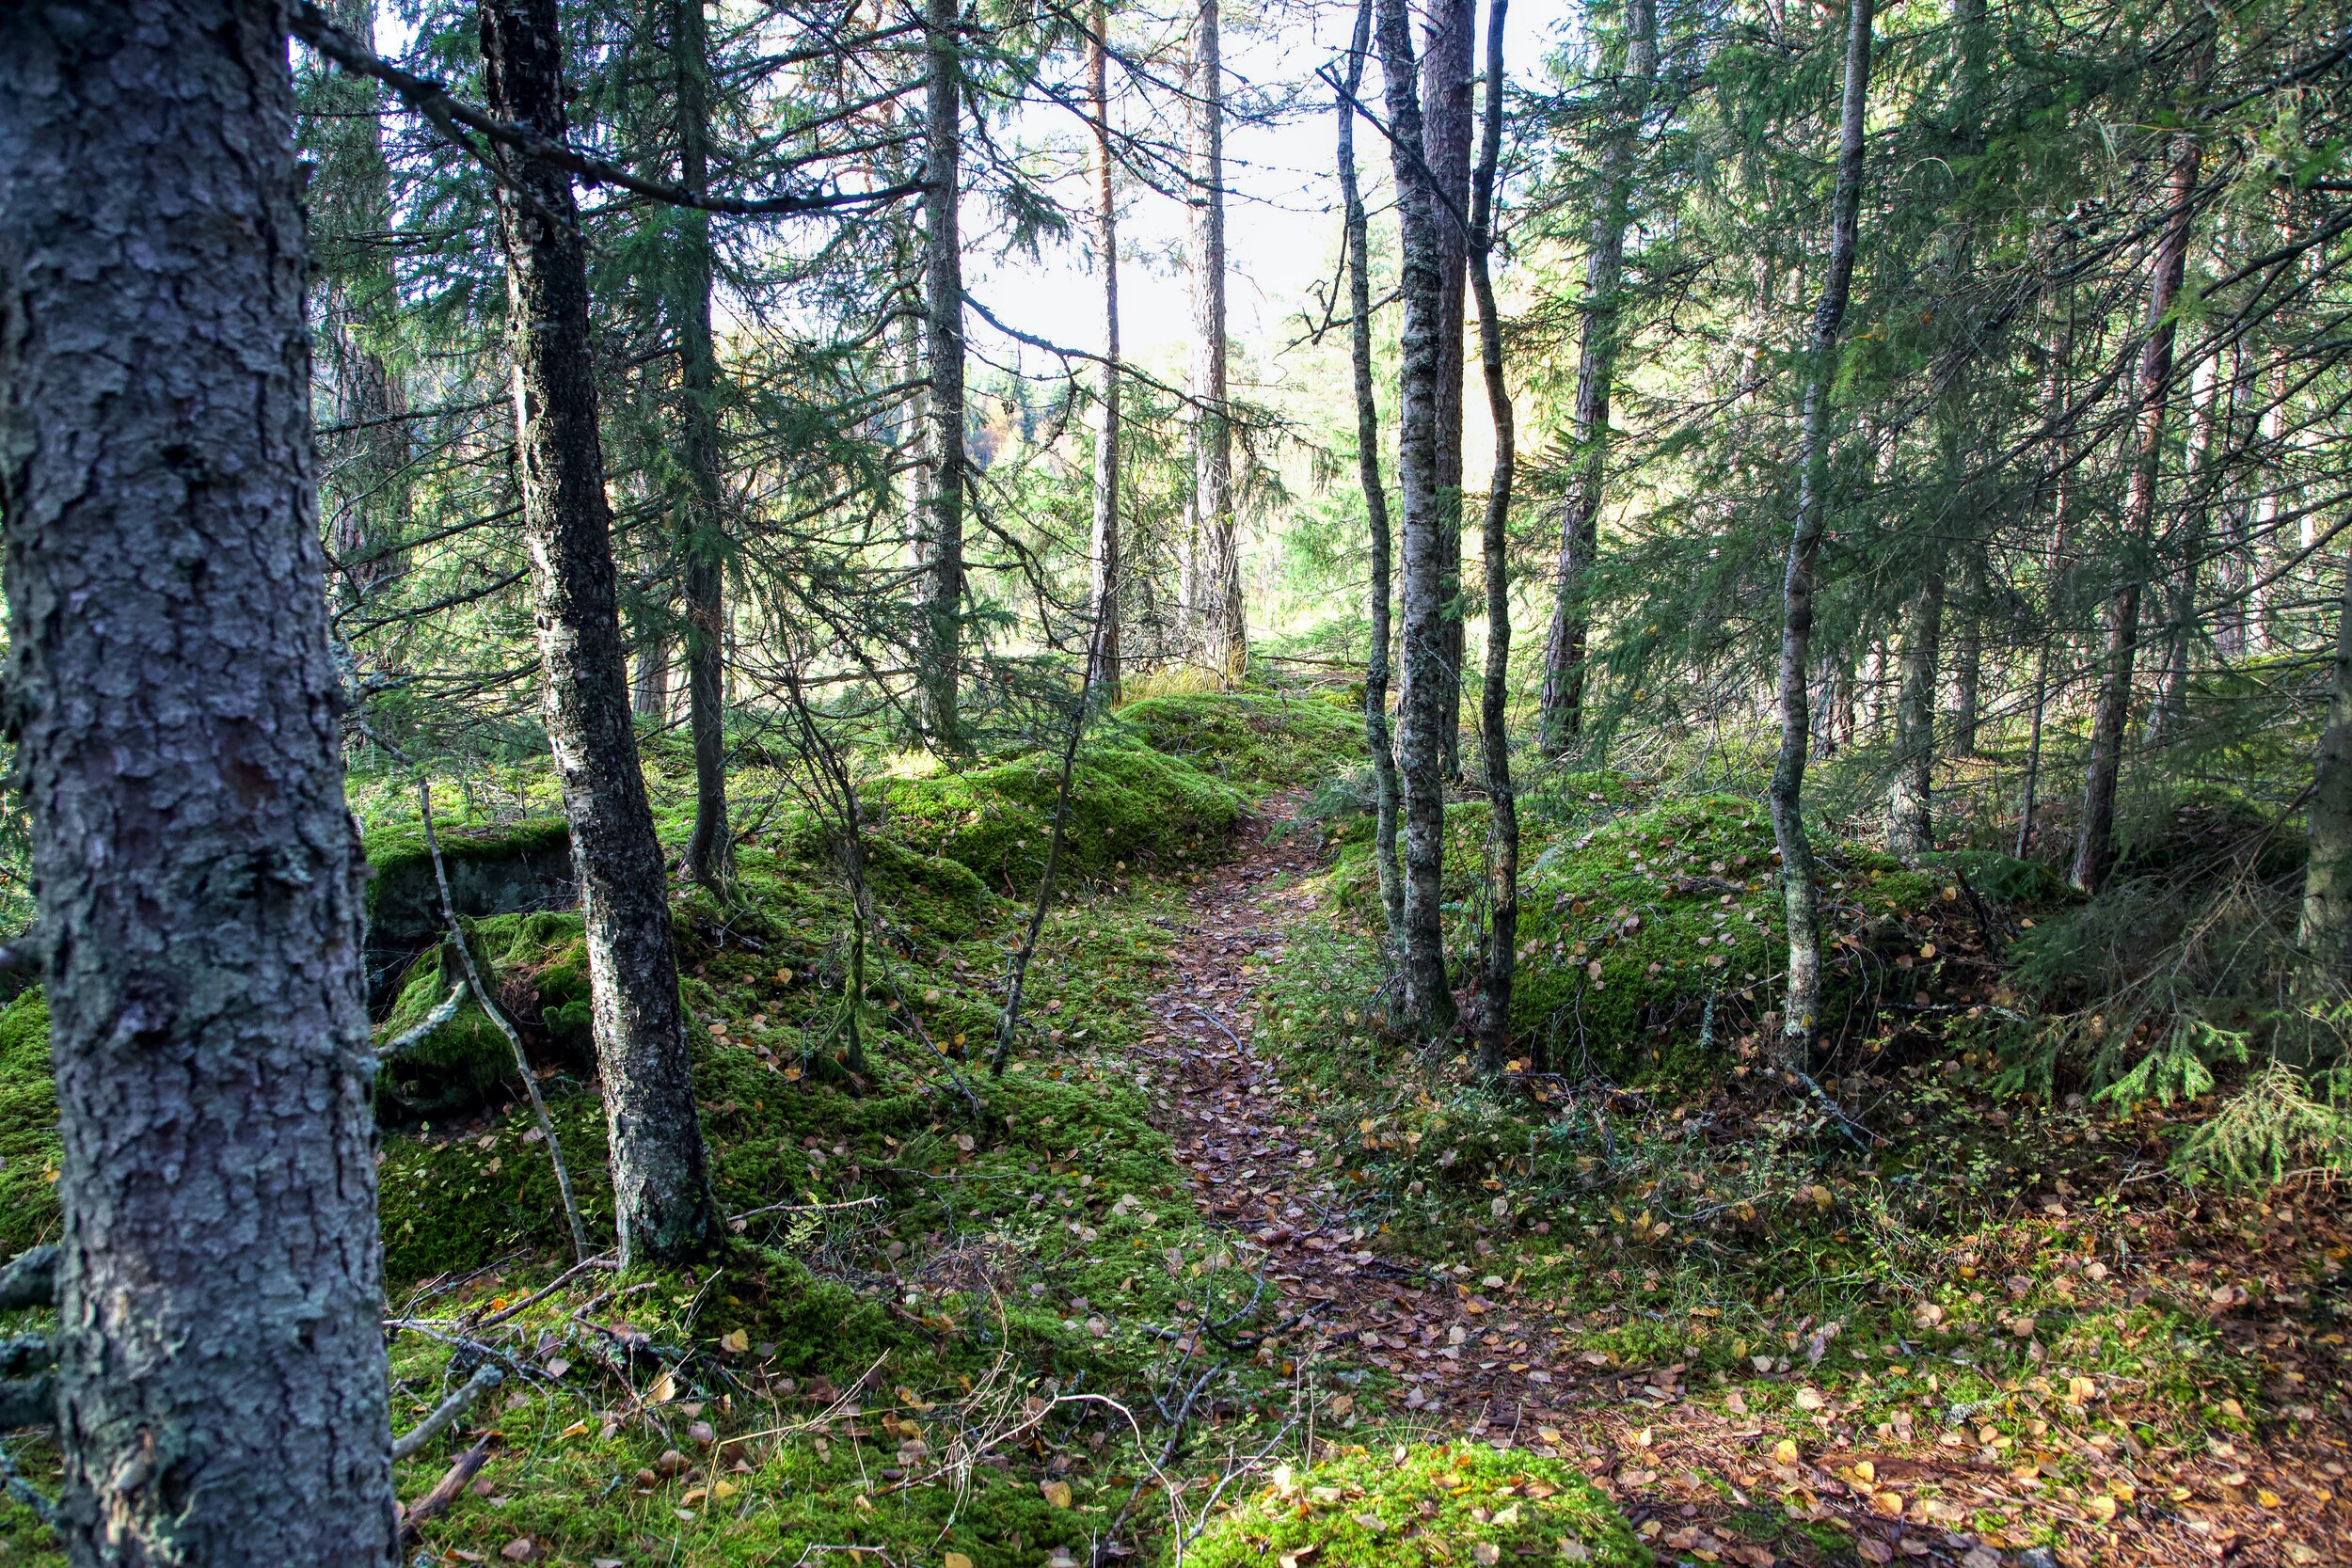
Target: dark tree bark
661,1183
2166,714
701,523
1792,1052
1428,1003
1560,714
1503,822
1104,551
1968,655
940,651
1357,245
2326,932
1223,632
1448,65
220,1391
1910,810
2094,841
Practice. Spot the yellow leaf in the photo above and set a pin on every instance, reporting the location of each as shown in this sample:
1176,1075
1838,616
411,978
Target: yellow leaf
664,1390
1785,1452
737,1341
1055,1492
723,1489
2263,1496
573,1430
2102,1508
955,1560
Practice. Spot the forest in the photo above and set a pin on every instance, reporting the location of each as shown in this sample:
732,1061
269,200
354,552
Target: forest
1291,784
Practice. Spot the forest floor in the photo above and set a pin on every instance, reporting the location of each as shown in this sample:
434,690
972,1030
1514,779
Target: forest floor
1783,1467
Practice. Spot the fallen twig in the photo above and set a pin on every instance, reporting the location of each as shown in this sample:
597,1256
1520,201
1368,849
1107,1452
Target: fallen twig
484,1379
445,1490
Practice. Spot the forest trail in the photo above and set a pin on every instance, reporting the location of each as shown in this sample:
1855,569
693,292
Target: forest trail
1474,1357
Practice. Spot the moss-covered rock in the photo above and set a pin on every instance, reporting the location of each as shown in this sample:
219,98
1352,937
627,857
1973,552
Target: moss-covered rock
535,965
492,870
1128,804
29,1150
1424,1507
1253,741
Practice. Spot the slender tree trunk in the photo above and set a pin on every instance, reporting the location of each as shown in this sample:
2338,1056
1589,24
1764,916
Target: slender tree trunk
1562,711
941,546
1359,247
1968,654
1502,820
702,526
2095,842
1792,1052
1910,815
1428,1001
2326,932
649,677
1103,550
2179,608
220,1388
660,1184
2058,483
1447,69
1223,630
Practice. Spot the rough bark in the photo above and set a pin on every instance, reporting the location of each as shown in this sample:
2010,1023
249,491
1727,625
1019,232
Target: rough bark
2180,606
1792,1051
941,544
1223,630
221,1384
660,1184
1103,590
1560,714
1357,245
1503,811
649,675
2057,485
1910,812
1428,1003
1447,69
2326,932
2094,842
701,523
1968,655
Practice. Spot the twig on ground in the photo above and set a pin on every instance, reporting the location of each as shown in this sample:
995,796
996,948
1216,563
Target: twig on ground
445,1490
484,1379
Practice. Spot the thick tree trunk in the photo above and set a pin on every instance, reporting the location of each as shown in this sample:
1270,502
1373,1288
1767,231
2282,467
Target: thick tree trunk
1792,1052
1428,1001
701,526
660,1184
1561,716
940,649
221,1387
1223,630
2326,932
1103,590
1503,819
2094,842
1447,69
1357,245
1910,813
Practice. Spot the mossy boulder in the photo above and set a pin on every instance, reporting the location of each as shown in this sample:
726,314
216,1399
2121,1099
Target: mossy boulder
535,965
1441,1506
1127,804
1253,741
941,897
29,1148
493,870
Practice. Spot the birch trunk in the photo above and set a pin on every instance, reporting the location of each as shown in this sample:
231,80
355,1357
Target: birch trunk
221,1387
660,1184
1792,1052
1428,1001
1103,590
940,647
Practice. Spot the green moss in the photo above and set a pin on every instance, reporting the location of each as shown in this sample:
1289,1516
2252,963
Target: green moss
1128,806
493,869
29,1149
537,965
1420,1506
1253,741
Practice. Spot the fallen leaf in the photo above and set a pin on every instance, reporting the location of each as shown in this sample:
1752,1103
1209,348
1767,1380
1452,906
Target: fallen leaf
1055,1492
1785,1452
522,1549
737,1341
1488,1554
955,1560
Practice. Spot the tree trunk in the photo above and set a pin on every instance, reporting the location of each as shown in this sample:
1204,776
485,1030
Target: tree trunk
1103,550
649,677
1223,632
1502,820
1910,815
1357,244
2057,481
2326,932
2180,608
220,1391
1968,656
660,1185
1451,60
1562,711
1428,1001
940,648
1792,1052
2094,842
701,522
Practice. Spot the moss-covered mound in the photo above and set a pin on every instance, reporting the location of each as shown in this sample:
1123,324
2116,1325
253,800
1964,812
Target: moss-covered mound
492,870
1250,739
1447,1506
1128,804
29,1150
535,965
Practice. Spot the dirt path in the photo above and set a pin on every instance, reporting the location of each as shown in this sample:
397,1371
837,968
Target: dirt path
1476,1359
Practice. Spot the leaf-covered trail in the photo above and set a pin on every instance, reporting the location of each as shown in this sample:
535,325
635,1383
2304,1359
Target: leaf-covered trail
1469,1355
